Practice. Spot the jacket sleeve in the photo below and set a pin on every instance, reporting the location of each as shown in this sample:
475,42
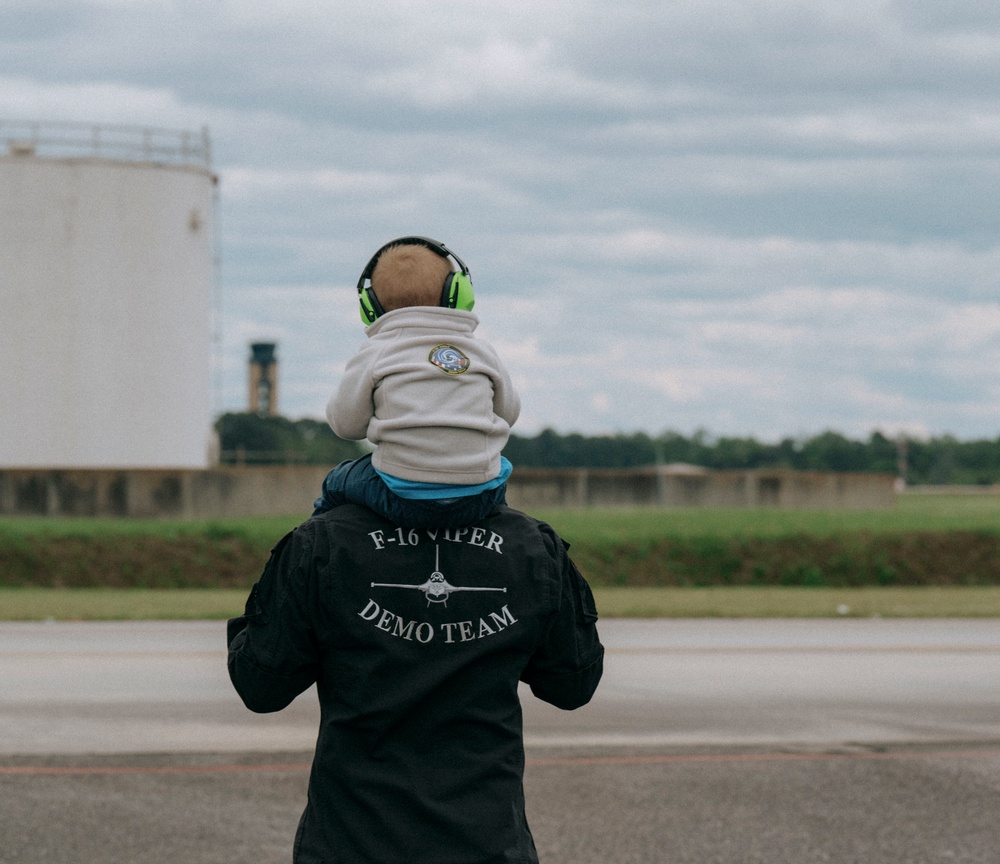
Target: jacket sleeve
273,649
567,667
352,407
506,402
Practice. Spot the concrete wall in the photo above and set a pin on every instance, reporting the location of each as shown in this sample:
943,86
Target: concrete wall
289,490
147,494
651,487
993,489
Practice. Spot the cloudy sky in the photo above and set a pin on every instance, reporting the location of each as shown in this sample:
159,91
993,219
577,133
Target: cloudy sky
754,217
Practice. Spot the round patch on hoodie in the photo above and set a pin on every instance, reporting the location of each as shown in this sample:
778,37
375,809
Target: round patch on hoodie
449,359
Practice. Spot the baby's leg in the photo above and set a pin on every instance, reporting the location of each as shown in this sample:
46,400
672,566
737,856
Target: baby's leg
341,484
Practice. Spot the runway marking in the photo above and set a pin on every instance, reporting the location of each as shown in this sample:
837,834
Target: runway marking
678,758
667,759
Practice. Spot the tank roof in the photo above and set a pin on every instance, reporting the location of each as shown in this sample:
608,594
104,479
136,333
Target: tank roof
141,144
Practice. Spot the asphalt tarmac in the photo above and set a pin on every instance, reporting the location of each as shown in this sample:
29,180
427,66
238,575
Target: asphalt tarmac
709,741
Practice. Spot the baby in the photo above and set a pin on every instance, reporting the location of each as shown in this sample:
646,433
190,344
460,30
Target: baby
436,402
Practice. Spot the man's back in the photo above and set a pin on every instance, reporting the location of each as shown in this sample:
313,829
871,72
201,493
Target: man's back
417,641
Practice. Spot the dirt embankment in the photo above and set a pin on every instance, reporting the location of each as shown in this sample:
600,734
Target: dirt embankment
132,561
917,558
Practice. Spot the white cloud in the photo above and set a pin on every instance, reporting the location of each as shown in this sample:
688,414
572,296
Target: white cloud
26,99
253,183
764,218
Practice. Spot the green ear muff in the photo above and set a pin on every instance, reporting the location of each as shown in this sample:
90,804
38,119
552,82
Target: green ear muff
457,292
371,309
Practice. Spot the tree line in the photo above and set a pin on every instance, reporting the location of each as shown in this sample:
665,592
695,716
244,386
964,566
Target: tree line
252,439
938,460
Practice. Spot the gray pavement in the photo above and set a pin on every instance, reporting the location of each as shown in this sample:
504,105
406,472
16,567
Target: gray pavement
162,687
709,741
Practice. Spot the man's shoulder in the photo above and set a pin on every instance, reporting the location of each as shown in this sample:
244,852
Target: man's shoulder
340,517
519,517
529,524
528,532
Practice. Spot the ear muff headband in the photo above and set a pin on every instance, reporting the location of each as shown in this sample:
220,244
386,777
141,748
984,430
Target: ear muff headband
456,293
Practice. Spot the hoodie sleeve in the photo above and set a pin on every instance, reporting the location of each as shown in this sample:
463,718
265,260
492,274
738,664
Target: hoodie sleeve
352,407
506,402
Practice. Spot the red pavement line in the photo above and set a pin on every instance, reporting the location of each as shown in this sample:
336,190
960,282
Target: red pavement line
64,770
672,759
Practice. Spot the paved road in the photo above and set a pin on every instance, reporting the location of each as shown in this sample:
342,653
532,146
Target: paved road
710,741
162,687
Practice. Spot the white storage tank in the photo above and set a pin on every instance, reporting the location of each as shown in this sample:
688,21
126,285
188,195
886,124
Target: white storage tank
106,266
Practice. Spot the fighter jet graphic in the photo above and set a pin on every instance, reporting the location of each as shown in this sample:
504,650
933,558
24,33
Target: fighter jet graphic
436,589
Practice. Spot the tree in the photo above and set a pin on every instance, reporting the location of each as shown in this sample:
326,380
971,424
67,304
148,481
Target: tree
250,438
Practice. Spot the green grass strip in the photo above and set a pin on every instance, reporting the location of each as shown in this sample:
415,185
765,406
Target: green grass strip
914,511
137,604
120,604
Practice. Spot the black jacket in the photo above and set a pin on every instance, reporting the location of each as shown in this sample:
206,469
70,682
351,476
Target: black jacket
416,641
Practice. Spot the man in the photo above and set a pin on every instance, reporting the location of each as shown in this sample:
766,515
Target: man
416,640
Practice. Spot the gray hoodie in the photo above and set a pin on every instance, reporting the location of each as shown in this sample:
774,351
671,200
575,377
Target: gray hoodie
435,401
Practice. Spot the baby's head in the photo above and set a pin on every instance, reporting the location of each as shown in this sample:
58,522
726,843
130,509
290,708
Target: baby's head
413,271
409,275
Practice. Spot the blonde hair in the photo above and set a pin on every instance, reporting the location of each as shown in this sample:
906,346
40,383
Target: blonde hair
409,275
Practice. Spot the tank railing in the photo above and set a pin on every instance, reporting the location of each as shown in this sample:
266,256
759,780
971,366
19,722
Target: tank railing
126,143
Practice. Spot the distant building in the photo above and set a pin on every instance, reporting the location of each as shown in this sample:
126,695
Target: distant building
263,384
106,268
